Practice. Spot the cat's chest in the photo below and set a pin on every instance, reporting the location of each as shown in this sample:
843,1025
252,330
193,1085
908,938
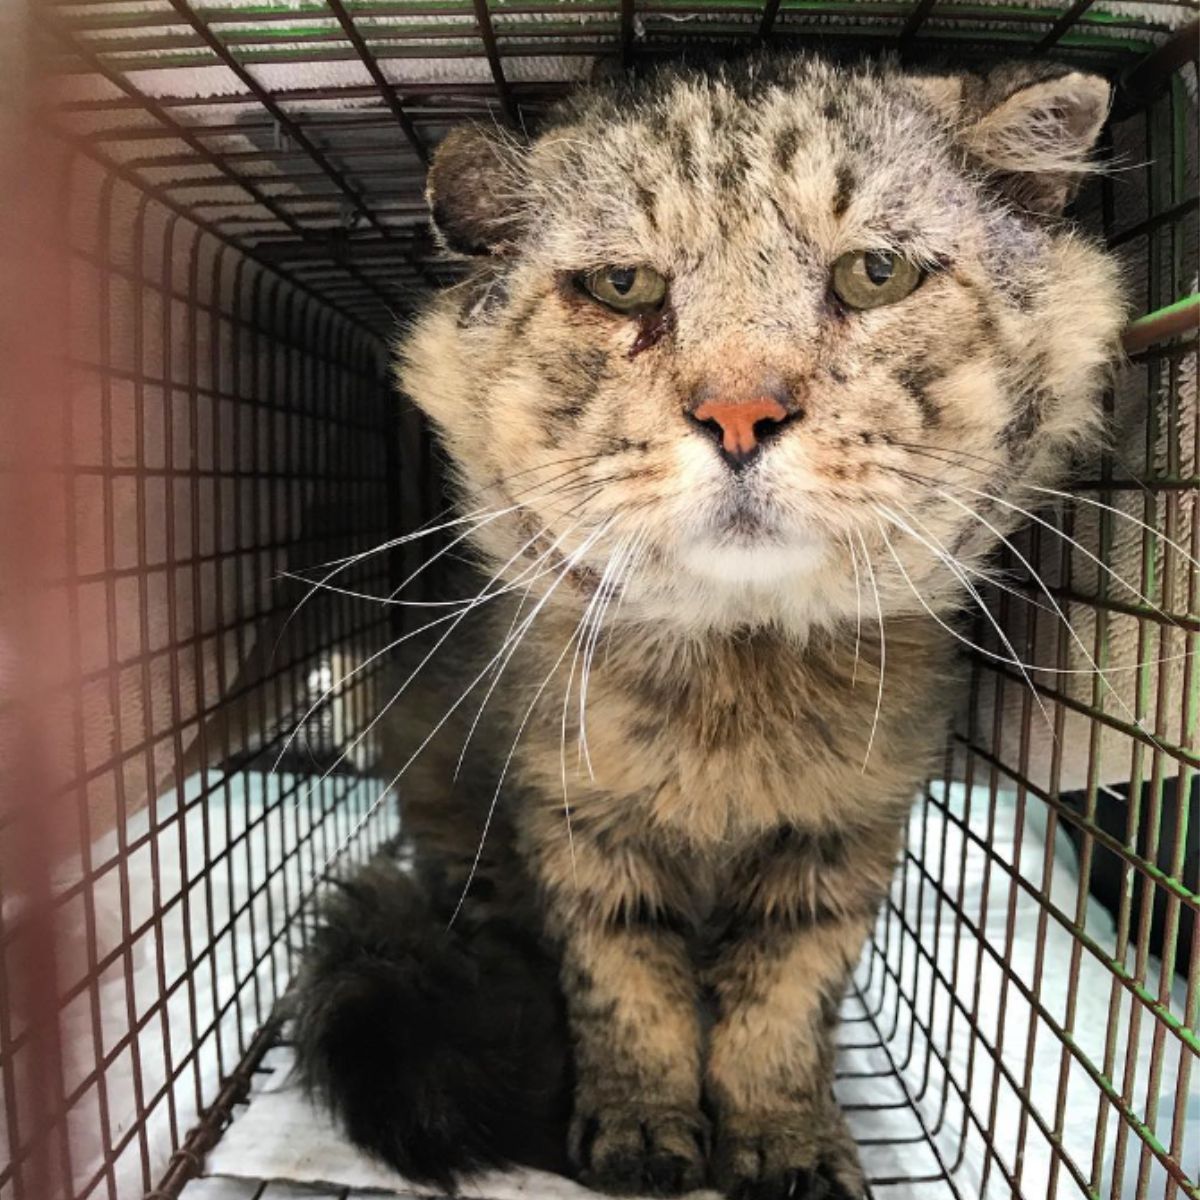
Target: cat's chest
712,771
713,750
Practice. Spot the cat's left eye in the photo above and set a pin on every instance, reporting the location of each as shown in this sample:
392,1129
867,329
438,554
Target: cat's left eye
872,278
625,289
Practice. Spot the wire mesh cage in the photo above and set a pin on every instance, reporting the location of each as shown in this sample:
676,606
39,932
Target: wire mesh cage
218,219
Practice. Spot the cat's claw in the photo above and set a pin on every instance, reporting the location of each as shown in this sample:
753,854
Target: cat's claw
629,1151
796,1183
777,1166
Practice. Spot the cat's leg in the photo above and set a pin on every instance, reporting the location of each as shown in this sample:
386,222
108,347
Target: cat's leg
632,1006
780,1133
637,1124
793,933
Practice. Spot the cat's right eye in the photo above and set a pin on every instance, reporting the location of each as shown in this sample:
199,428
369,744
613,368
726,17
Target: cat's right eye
625,289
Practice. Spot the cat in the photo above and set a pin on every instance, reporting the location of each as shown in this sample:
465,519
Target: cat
749,369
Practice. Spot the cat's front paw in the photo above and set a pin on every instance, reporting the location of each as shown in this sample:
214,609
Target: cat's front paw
785,1159
632,1150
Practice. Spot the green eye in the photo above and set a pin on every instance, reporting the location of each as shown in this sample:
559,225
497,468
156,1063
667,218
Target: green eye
873,278
626,289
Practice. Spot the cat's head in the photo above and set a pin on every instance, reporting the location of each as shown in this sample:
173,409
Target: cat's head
769,339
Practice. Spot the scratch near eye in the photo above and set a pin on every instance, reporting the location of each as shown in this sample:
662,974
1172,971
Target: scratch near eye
654,327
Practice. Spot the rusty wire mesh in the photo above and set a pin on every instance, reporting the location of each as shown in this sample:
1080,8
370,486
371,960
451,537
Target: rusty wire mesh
232,197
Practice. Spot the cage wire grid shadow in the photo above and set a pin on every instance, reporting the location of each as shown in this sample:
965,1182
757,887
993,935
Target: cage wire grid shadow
225,219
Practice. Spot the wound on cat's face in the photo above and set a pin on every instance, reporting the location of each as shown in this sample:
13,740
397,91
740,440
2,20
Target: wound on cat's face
768,311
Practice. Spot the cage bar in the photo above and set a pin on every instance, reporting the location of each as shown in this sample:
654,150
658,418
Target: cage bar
227,219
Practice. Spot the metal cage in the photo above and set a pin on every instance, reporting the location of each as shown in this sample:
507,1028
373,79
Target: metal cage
214,218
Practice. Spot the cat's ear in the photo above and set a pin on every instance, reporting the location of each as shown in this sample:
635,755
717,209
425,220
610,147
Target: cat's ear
1035,134
1040,137
474,190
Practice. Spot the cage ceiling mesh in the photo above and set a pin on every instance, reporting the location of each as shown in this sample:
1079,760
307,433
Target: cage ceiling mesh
234,193
302,130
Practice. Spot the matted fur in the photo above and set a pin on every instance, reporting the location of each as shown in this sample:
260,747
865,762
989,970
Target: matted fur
712,826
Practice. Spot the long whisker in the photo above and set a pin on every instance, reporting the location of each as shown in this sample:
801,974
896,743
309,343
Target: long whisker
1066,537
517,612
576,638
325,695
991,578
957,565
1162,537
504,655
568,567
616,588
482,516
458,618
636,559
502,481
392,600
604,593
857,609
462,607
932,484
570,484
509,641
1079,642
355,558
579,639
400,540
882,649
1113,668
955,457
945,557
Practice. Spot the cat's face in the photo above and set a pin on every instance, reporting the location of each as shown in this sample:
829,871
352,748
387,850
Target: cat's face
770,334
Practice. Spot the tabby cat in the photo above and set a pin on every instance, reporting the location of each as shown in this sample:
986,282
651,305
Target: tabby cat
751,366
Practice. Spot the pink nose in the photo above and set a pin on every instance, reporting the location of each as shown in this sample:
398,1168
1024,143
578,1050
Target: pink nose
743,424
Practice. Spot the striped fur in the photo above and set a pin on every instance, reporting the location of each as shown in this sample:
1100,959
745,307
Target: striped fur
704,844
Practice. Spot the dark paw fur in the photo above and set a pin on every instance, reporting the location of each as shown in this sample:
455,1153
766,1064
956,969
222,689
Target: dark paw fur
632,1151
780,1164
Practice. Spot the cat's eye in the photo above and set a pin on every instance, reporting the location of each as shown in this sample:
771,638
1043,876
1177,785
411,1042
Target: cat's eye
626,289
873,278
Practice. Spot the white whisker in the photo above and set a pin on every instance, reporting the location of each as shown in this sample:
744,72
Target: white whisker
458,618
302,721
387,787
857,609
1079,642
458,540
957,565
600,601
960,575
882,650
1066,537
635,560
1156,533
576,639
569,566
346,563
509,641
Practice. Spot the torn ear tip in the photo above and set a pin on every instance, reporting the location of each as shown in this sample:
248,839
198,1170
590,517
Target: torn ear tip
1093,100
1095,86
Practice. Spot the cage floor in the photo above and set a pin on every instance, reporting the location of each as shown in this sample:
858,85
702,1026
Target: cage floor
914,1072
277,1128
277,1133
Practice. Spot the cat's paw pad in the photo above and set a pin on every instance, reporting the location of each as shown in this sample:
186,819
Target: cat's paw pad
780,1164
632,1151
